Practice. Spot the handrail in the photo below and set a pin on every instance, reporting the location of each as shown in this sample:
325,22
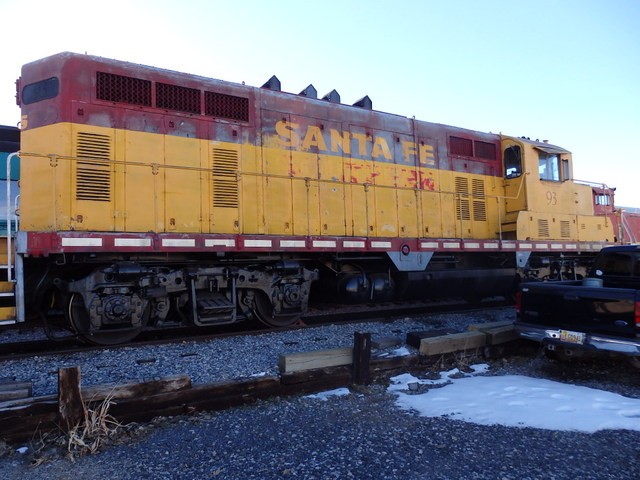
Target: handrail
589,183
155,168
8,212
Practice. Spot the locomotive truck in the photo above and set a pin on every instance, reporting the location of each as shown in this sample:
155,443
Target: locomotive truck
151,198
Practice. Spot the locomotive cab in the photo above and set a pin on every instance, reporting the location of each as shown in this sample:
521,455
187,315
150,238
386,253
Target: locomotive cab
542,200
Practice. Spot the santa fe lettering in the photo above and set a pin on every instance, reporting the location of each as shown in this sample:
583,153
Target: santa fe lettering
289,135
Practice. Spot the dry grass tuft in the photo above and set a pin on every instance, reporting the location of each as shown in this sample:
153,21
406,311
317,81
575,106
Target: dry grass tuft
95,430
461,359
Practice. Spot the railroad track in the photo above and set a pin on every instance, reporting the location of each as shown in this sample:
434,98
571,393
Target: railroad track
320,315
170,376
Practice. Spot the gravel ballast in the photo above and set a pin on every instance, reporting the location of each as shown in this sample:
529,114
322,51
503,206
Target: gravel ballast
361,435
222,359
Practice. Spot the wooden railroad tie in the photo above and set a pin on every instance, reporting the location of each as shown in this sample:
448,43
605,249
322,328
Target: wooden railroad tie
429,343
12,390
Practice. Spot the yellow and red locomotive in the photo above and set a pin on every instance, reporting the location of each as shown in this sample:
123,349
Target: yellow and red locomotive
151,198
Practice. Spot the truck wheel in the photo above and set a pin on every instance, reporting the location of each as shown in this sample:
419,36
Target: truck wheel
561,354
551,355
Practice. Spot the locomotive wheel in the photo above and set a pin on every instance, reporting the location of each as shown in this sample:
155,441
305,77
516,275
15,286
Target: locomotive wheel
264,312
80,322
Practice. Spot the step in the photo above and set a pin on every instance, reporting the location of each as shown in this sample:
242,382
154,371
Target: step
7,315
219,303
214,308
6,287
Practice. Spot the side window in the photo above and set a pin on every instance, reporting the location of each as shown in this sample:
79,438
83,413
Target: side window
566,173
549,167
512,162
602,199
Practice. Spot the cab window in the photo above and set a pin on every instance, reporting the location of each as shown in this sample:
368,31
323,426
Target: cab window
566,172
549,167
512,162
42,90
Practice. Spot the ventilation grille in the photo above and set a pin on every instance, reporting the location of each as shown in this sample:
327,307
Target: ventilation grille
226,106
135,91
479,201
224,183
461,146
472,148
565,229
543,228
173,97
463,210
93,177
485,150
118,88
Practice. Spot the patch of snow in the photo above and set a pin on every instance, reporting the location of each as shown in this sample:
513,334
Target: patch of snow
517,401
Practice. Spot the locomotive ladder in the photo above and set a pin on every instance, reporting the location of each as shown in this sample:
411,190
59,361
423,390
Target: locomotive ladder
11,280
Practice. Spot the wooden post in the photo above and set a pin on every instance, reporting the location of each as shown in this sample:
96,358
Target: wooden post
361,358
70,405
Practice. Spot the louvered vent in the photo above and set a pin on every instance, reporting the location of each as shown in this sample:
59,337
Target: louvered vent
224,182
461,146
93,176
543,227
485,150
479,201
565,229
462,199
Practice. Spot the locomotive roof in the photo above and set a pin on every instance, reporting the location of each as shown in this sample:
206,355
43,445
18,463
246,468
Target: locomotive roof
544,145
180,76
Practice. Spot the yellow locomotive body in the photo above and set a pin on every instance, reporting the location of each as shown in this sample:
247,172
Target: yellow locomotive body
141,182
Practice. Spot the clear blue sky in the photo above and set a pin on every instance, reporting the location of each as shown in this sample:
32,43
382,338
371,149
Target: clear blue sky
567,71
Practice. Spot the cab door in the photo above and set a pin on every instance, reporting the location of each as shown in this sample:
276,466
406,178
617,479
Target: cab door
514,176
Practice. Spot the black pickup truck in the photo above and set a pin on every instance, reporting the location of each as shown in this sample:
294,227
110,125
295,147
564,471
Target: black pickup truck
600,313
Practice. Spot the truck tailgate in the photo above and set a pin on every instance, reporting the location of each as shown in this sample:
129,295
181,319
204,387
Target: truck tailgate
606,311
